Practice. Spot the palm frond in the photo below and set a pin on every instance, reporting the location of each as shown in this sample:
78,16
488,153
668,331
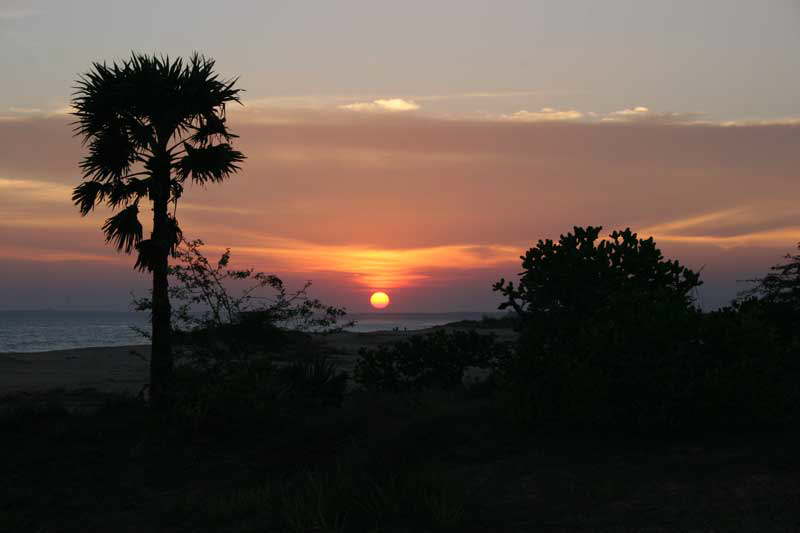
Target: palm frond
209,163
128,190
88,194
124,229
147,257
211,126
174,234
111,154
149,251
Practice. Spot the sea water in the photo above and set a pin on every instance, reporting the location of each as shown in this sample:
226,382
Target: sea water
381,321
39,331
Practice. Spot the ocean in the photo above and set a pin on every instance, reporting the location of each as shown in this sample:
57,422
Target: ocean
40,331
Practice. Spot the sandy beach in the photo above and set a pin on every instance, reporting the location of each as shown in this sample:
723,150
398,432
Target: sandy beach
123,369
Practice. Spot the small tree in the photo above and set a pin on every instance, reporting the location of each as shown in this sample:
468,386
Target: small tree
606,329
219,327
151,123
571,280
782,285
778,295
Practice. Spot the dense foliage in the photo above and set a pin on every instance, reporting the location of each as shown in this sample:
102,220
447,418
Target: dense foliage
434,360
610,338
565,283
257,390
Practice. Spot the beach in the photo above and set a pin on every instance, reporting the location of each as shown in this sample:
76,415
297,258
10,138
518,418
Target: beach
124,369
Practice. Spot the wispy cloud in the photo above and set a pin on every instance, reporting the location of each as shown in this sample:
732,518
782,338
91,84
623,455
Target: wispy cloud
34,190
15,113
284,110
408,200
731,228
781,121
638,114
26,110
644,114
546,114
374,267
391,105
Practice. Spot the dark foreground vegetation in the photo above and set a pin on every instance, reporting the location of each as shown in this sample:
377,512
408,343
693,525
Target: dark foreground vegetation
621,407
418,462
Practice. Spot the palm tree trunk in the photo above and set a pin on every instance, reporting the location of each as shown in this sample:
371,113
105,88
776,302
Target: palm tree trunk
161,364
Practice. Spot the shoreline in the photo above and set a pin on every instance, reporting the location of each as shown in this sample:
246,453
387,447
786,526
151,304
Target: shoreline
125,369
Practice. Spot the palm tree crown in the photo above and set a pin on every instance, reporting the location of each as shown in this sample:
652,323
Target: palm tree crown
150,123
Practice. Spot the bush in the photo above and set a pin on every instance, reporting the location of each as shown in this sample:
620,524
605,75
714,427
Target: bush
253,392
777,297
565,284
433,360
207,399
610,339
213,327
312,383
225,343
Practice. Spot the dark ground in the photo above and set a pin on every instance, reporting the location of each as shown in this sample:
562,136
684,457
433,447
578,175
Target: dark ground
116,470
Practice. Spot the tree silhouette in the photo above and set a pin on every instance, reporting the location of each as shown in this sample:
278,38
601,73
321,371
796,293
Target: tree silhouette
781,287
150,124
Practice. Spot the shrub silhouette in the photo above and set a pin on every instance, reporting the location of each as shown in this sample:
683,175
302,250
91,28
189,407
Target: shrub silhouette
565,283
777,297
433,360
215,326
610,338
225,343
151,124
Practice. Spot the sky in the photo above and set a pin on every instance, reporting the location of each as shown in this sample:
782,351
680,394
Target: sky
420,148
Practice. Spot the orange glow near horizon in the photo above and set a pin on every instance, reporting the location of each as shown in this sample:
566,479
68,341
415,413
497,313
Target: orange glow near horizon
379,300
374,267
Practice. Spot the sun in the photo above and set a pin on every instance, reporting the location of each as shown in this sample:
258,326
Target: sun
379,300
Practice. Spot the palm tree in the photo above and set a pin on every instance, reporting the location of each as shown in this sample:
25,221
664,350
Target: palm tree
151,123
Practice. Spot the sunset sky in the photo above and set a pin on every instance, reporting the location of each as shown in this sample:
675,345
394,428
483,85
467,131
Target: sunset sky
420,147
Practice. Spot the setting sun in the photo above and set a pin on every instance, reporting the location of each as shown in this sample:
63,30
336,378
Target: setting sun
379,300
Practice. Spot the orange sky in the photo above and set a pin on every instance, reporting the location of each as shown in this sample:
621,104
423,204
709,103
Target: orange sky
432,209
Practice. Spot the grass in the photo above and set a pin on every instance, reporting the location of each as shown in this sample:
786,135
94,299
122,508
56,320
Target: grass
435,461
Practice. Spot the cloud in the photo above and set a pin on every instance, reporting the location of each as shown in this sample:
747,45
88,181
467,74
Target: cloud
33,189
392,104
638,114
771,225
783,121
546,114
25,110
407,200
294,109
375,267
323,101
644,114
17,113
